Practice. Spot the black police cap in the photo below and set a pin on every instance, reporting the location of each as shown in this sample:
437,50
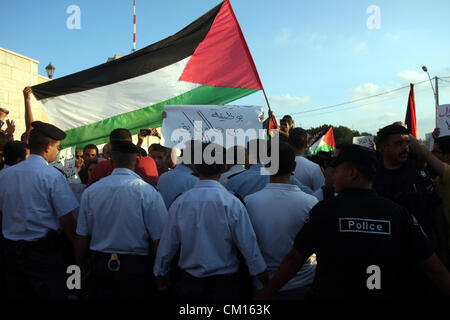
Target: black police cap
47,129
124,146
392,129
355,154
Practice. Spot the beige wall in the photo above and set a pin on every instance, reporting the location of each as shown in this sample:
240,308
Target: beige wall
17,72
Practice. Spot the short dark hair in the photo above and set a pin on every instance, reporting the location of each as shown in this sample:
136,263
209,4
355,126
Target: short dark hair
89,147
286,158
120,134
260,144
215,168
288,119
298,138
156,147
123,159
13,151
367,171
39,141
444,144
234,154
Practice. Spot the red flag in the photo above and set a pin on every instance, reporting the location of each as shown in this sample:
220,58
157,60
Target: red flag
410,119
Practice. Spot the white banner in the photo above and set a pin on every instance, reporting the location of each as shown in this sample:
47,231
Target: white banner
444,120
365,141
65,162
224,125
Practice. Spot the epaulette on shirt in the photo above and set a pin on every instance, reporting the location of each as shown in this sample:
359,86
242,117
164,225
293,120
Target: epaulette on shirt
235,174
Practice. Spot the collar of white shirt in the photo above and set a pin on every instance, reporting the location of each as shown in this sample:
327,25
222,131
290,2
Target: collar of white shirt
208,184
282,186
37,158
125,171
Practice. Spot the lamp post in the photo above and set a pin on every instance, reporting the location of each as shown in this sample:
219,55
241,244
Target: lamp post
435,92
50,70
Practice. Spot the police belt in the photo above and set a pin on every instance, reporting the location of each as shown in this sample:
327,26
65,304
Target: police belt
50,243
114,260
220,277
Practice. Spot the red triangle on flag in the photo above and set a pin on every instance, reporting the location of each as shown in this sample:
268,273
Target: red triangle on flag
328,138
222,59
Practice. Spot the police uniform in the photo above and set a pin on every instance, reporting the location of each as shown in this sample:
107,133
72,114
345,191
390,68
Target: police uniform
359,234
122,215
250,181
208,224
173,183
276,232
33,197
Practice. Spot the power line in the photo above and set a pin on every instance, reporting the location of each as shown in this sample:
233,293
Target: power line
357,100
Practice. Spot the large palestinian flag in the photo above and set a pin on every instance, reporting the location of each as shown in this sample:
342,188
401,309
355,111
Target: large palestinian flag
208,62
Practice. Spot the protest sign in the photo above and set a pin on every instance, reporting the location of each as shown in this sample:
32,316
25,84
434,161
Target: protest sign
444,120
224,125
65,162
365,141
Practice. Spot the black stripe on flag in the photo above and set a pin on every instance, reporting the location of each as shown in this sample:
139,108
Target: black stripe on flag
151,58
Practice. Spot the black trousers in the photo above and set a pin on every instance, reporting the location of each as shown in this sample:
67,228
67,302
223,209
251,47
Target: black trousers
33,272
133,281
215,288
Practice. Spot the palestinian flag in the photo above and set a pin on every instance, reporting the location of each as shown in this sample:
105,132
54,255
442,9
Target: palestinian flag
410,118
325,143
208,62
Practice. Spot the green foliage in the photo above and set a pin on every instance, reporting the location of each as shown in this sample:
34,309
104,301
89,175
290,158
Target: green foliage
342,134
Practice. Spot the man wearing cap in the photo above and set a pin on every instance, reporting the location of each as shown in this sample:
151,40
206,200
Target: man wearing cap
363,242
404,180
36,203
121,219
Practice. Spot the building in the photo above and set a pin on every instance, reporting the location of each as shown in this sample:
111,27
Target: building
17,72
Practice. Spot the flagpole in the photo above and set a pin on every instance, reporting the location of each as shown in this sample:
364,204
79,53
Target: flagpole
134,25
270,111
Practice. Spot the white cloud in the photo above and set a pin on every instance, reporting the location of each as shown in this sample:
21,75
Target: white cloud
410,76
288,101
366,90
360,48
392,36
284,37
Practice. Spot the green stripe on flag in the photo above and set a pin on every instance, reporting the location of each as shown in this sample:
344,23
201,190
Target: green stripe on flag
324,148
150,117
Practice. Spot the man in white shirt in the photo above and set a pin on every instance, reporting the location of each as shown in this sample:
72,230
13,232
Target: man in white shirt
237,158
209,225
306,171
278,212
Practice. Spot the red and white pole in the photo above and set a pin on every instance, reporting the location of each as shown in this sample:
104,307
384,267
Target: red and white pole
134,25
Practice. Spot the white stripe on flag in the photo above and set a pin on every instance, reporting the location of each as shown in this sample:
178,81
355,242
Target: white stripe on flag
82,108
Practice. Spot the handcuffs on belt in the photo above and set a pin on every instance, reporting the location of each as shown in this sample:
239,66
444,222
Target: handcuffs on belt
113,258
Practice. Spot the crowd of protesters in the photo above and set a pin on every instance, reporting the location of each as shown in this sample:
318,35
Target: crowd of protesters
355,223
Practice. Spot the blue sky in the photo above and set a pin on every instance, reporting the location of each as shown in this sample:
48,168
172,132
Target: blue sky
309,54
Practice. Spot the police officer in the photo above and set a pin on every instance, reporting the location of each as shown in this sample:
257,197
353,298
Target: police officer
404,180
363,241
36,203
209,225
173,183
252,180
121,219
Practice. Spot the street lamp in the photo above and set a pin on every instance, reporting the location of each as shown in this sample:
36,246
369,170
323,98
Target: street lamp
50,70
435,92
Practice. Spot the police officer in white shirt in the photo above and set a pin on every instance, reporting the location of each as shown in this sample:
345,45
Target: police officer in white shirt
36,203
306,171
277,213
121,220
209,225
173,183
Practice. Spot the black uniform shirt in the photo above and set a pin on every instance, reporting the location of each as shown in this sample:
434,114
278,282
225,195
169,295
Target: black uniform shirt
411,187
353,231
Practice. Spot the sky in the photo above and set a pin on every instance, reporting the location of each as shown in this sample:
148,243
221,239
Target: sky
309,54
